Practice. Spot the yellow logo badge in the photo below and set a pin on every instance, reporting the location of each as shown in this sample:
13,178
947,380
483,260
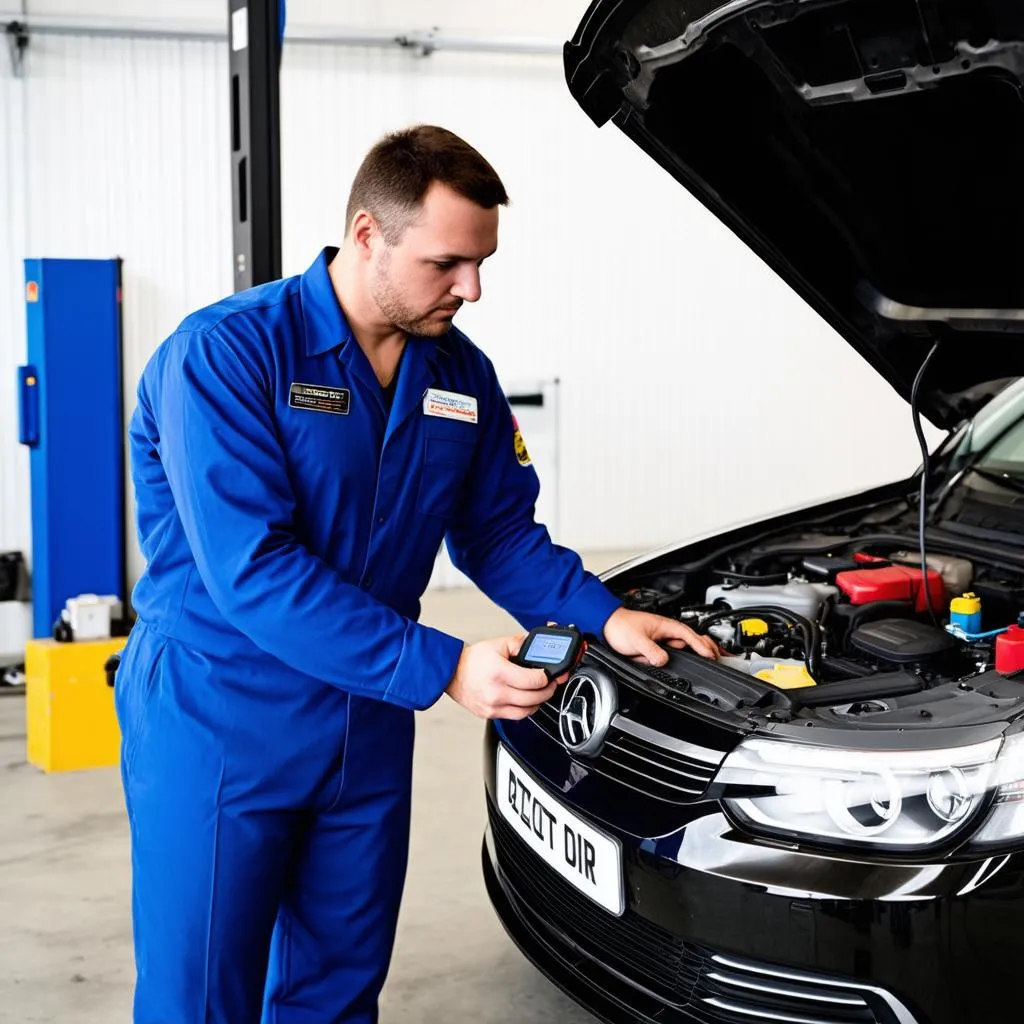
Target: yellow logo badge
522,454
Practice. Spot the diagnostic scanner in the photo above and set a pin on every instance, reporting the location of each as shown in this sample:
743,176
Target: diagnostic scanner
553,649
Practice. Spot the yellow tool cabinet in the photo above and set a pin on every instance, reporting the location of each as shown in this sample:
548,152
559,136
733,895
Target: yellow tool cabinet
69,707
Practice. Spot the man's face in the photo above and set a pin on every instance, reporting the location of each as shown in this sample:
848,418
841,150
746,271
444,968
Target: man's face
420,283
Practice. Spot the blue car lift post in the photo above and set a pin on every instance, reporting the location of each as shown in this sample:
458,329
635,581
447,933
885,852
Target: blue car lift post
72,420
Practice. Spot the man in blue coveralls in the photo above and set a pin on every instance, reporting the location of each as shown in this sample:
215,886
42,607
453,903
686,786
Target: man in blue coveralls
299,453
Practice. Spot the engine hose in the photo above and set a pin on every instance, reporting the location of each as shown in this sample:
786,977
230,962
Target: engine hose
827,607
810,631
769,579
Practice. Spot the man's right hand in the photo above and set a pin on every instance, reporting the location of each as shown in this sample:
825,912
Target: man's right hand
490,686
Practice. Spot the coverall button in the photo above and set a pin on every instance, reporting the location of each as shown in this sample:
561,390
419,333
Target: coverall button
367,582
380,520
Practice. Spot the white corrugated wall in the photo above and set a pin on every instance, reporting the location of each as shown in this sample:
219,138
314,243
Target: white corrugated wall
696,389
119,153
14,512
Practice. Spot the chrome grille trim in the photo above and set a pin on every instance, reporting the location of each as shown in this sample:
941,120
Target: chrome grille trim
772,1015
899,1011
642,781
789,991
666,742
611,744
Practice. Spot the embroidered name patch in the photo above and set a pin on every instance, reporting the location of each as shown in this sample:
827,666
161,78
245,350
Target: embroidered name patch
316,398
449,405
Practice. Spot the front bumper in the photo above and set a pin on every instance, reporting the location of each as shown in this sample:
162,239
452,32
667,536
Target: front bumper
722,929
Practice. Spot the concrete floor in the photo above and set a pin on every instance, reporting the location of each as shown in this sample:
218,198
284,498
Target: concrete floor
65,926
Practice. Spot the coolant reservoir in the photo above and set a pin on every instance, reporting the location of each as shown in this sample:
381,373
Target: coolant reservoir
785,673
804,599
786,677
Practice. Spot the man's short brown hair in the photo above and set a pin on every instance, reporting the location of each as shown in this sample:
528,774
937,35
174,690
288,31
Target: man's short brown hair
395,175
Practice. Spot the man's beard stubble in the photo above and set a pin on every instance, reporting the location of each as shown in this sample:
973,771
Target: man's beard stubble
393,306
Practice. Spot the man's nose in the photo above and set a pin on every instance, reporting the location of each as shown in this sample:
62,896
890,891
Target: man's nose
467,284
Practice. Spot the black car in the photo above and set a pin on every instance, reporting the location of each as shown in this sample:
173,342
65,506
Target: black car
827,825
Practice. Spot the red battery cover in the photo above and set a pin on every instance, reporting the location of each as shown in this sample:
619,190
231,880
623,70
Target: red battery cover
893,583
1010,651
865,559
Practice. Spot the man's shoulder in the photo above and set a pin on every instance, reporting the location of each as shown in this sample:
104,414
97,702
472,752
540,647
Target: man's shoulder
247,327
464,355
245,311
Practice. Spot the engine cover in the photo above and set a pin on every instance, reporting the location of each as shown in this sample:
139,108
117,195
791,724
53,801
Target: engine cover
901,641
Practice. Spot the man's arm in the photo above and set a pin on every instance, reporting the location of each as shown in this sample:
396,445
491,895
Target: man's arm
496,541
218,446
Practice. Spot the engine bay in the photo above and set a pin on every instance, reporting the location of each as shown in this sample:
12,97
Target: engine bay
848,629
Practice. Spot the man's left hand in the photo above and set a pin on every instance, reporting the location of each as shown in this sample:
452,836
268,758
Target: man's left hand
636,635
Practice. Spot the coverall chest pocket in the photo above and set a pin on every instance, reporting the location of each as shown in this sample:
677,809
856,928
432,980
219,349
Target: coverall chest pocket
448,447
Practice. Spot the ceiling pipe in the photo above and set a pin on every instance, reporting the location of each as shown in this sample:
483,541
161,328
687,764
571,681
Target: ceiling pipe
420,43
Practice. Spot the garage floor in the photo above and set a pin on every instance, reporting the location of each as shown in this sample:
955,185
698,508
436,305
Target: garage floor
65,927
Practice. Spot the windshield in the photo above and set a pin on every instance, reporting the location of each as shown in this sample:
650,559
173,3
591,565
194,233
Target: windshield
994,440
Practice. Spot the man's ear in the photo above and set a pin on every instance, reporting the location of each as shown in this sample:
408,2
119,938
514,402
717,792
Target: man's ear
364,233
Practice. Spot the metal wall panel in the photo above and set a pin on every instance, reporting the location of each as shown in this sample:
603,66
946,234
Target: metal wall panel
695,388
15,514
124,154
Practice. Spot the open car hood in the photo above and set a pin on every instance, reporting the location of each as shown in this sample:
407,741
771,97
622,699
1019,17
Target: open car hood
870,151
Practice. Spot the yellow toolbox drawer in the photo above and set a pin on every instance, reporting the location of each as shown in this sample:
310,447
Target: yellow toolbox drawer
69,706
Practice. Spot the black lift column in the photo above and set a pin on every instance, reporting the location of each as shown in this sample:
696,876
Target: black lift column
254,60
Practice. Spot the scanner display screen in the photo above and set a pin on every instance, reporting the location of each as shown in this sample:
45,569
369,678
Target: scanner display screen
547,649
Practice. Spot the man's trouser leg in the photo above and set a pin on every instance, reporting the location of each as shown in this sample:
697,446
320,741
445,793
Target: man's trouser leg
336,930
219,791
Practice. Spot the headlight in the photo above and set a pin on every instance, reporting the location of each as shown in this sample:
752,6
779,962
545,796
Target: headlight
899,799
1006,819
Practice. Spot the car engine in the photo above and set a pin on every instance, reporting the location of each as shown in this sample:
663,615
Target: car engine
855,630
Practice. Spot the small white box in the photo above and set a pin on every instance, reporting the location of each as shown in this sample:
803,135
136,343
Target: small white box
90,615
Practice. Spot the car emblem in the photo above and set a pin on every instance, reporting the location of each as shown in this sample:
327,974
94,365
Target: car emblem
586,713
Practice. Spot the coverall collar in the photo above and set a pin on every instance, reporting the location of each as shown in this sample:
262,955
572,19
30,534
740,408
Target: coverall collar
325,323
327,329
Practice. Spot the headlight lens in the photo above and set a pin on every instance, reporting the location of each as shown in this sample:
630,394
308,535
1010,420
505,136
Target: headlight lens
1005,822
884,799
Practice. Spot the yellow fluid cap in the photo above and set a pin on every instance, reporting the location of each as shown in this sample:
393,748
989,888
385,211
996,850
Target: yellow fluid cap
754,627
966,605
786,677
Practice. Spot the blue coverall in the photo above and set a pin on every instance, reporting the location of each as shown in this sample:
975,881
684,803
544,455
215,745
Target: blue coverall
267,691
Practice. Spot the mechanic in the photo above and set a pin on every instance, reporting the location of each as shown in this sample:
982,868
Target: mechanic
299,453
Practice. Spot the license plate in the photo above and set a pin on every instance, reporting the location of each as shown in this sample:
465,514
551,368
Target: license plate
580,853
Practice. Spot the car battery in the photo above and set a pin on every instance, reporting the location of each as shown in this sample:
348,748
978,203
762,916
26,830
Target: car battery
893,583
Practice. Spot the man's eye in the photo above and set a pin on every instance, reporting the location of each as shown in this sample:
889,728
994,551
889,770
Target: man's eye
444,264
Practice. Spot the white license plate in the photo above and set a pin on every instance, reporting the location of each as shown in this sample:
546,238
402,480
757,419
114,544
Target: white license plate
581,854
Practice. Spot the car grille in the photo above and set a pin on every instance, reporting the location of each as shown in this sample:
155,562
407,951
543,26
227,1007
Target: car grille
641,765
702,985
629,945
